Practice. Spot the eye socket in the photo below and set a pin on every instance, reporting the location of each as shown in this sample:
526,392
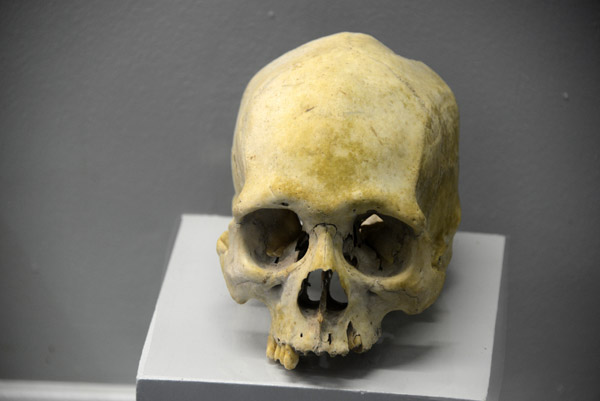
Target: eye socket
274,237
379,245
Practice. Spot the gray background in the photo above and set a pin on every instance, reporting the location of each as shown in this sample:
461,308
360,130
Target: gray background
116,117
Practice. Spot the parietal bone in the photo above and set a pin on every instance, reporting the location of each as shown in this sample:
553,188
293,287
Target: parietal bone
345,168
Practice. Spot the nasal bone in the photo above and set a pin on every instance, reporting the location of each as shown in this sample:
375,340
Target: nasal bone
325,252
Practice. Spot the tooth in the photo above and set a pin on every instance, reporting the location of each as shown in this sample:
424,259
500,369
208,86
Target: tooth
354,340
271,346
285,354
277,354
355,343
290,358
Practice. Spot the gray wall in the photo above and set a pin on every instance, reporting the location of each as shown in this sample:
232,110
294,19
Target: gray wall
116,117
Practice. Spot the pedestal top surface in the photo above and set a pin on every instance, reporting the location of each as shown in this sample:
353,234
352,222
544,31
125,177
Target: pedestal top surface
198,333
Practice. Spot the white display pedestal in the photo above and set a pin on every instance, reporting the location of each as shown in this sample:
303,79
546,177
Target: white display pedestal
201,345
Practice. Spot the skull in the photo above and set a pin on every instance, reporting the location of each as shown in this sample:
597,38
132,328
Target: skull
345,168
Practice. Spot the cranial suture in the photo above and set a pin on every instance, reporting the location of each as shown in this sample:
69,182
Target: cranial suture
345,168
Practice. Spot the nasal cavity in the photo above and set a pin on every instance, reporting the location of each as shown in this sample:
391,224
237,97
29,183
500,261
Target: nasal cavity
315,285
322,286
337,298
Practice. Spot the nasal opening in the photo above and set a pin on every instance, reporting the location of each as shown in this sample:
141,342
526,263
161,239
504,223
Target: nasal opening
322,290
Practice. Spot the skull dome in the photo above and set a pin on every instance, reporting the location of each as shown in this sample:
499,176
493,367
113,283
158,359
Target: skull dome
345,168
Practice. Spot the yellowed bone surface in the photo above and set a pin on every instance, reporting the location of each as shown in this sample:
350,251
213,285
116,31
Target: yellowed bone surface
345,165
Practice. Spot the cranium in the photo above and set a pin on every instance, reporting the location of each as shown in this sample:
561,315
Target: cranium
345,167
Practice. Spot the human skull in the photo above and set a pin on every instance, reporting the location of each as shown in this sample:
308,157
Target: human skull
345,168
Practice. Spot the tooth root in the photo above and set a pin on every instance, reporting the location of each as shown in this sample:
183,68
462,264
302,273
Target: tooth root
271,346
290,358
356,342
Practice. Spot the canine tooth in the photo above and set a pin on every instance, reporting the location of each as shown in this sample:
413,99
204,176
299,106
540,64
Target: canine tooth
271,345
291,358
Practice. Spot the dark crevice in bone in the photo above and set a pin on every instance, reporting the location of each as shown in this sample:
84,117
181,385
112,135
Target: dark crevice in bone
347,247
302,245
